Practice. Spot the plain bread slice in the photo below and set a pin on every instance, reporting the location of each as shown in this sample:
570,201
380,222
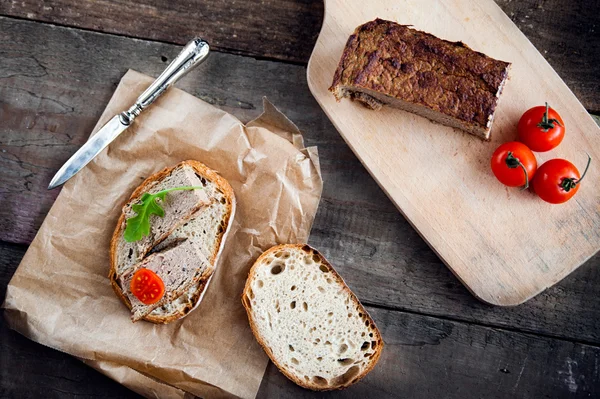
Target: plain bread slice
308,321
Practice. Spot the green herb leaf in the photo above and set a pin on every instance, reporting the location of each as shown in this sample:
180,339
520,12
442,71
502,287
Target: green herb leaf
138,226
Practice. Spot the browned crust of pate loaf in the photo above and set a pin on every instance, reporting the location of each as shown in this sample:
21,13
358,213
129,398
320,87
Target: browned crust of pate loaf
417,67
210,175
308,249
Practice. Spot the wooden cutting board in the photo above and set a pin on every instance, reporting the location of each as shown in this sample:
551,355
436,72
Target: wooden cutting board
505,245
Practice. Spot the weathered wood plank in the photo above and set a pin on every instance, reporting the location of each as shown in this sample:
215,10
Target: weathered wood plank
47,112
31,370
424,357
431,358
566,33
562,30
281,29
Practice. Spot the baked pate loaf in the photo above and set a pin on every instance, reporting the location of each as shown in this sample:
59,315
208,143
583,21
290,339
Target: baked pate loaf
308,321
185,250
447,82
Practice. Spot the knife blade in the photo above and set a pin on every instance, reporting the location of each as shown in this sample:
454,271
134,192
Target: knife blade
88,151
193,54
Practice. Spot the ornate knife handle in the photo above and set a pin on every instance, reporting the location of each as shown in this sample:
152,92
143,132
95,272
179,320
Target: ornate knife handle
193,54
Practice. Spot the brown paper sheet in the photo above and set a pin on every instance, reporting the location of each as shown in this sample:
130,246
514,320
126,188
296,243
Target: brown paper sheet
138,382
60,295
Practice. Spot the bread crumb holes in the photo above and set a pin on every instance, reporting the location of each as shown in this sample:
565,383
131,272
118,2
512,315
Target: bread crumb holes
319,381
276,269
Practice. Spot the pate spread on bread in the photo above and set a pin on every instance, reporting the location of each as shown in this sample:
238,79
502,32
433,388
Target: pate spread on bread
183,246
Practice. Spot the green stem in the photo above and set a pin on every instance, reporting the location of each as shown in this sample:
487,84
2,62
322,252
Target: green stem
545,117
526,186
182,188
569,183
547,124
513,162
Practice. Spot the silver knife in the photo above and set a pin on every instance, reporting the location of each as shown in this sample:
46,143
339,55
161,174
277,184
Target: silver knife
194,53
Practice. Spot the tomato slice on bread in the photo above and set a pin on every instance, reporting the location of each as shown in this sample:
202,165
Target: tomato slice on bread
147,286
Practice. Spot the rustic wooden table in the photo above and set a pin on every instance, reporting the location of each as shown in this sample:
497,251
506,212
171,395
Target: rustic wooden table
60,61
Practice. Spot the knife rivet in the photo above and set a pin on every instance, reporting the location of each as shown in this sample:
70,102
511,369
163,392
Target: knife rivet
124,118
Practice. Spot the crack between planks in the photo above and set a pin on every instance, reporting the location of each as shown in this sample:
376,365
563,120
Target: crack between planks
479,324
213,47
21,245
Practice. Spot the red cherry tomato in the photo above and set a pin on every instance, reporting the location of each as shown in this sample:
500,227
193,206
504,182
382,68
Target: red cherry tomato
514,164
541,128
557,180
147,286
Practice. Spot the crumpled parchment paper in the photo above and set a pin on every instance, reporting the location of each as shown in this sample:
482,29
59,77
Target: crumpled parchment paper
60,295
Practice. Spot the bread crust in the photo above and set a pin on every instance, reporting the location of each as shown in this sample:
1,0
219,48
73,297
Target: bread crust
308,249
194,301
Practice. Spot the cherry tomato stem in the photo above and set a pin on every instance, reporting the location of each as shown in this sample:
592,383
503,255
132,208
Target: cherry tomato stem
513,162
546,123
569,183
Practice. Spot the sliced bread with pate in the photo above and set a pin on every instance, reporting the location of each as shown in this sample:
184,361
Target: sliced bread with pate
308,321
186,256
179,206
180,267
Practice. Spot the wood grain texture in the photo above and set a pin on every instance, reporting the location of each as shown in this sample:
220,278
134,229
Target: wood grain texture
281,29
424,357
374,248
506,246
288,29
50,100
386,263
379,254
566,34
31,370
431,358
